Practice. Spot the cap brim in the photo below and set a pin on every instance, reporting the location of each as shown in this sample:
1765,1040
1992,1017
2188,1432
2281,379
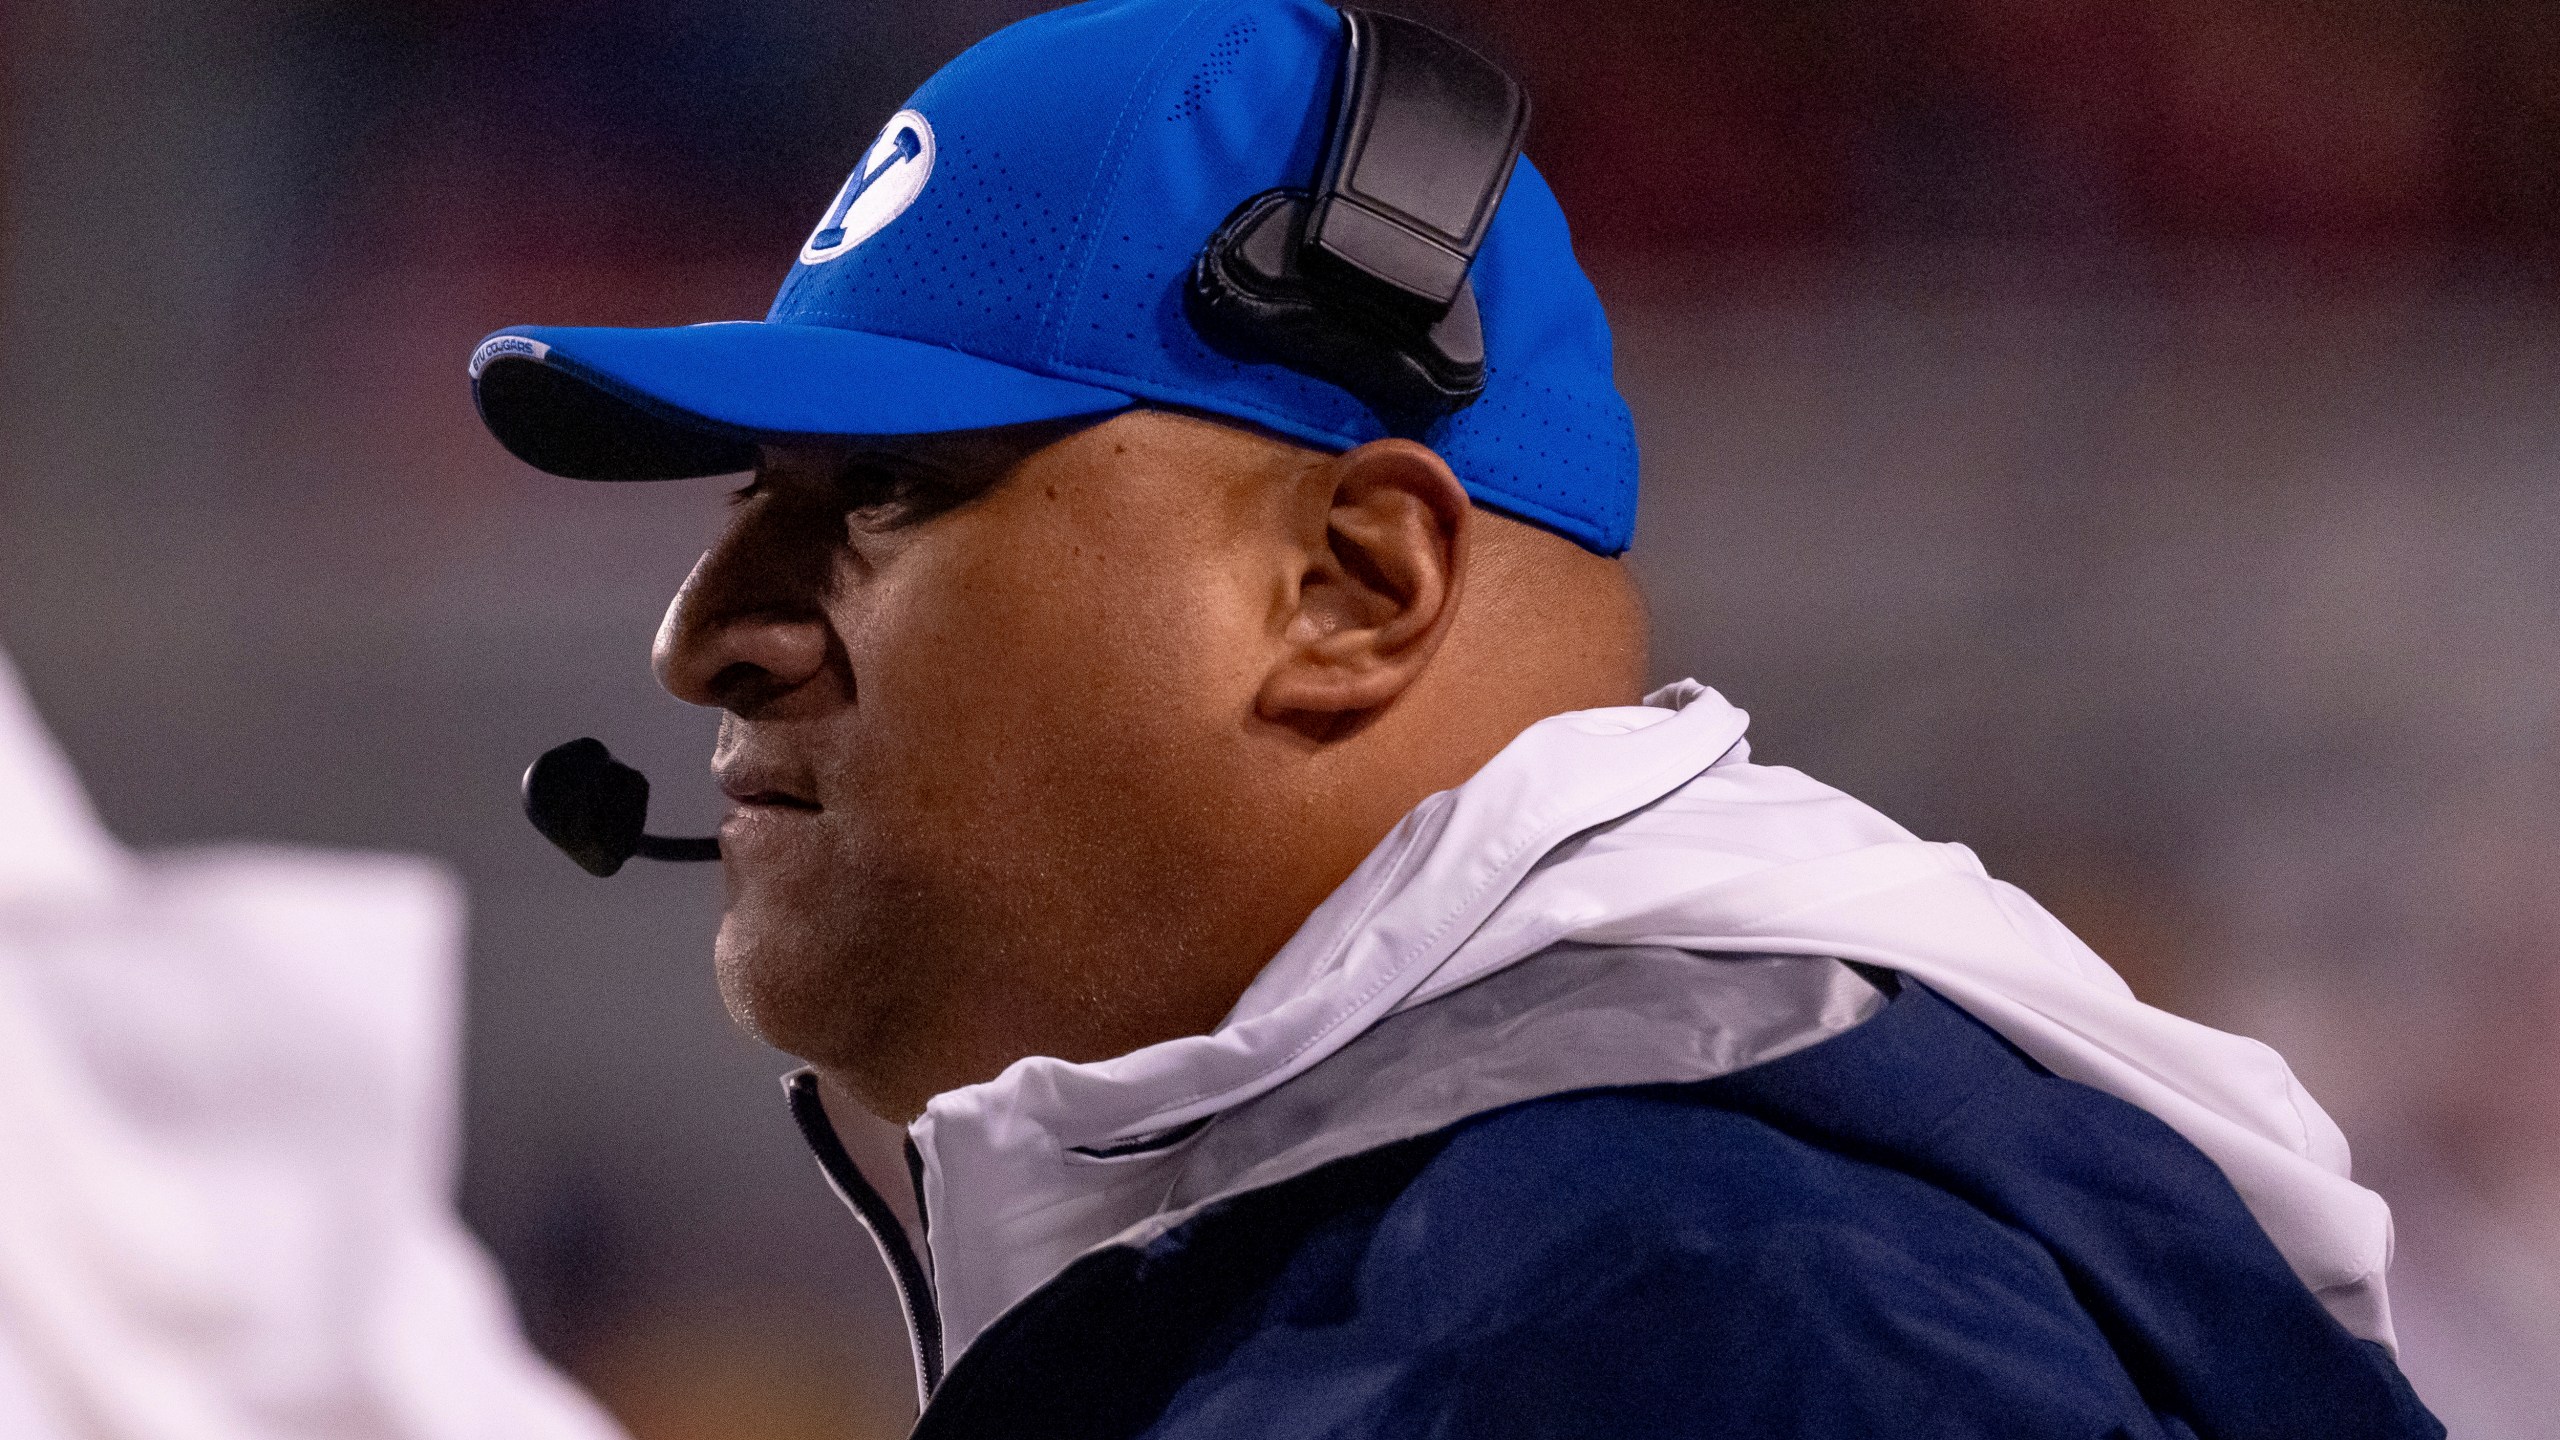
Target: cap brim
597,403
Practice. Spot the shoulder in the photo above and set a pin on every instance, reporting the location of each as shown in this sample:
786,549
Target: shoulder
1634,1261
1565,1202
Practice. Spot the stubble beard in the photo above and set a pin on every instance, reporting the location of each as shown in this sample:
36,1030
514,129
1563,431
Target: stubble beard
846,980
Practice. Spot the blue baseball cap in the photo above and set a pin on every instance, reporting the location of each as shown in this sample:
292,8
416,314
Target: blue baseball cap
1013,249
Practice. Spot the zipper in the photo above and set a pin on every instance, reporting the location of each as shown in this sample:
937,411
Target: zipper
924,1213
906,1268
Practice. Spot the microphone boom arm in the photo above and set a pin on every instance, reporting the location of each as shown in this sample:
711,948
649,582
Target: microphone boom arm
593,807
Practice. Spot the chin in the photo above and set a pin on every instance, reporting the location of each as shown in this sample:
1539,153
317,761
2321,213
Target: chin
784,984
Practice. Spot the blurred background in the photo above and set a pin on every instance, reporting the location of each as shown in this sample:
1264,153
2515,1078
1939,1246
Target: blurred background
2124,437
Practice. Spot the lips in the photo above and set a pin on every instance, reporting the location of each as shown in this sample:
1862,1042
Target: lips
774,799
750,789
768,820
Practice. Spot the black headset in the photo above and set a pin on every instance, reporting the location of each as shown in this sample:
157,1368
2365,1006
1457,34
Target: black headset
1361,280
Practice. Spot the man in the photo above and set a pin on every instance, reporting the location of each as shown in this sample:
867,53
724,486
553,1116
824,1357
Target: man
1192,769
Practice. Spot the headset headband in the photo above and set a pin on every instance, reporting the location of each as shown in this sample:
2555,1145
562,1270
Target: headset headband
1363,281
1424,135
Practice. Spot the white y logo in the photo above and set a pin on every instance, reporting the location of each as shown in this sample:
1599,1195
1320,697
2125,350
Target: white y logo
891,174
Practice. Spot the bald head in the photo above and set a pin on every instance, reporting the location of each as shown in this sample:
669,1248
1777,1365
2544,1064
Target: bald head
1044,745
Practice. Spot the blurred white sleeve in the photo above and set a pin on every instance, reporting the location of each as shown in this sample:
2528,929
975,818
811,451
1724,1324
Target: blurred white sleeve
228,1084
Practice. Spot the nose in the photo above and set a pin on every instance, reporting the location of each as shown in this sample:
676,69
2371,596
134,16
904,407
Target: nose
741,630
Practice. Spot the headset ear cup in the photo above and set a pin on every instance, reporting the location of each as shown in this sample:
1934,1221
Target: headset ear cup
1252,299
1244,285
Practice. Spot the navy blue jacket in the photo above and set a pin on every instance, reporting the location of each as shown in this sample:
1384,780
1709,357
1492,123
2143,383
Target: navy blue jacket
1908,1229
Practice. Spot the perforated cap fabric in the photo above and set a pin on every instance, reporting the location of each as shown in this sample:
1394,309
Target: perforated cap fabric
1013,247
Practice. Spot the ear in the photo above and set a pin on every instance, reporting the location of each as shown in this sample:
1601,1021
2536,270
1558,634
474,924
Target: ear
1383,533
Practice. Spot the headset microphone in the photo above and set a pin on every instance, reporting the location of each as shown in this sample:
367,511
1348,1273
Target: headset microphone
593,806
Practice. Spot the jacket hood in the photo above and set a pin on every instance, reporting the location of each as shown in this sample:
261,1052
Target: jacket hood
1647,831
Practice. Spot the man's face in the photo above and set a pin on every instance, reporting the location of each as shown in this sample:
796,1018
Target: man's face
958,736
